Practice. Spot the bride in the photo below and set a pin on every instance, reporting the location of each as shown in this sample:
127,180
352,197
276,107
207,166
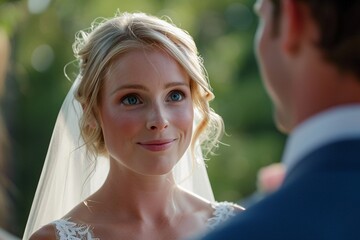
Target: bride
125,161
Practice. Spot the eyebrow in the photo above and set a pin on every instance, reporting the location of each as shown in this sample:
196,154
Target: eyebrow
141,87
129,86
175,84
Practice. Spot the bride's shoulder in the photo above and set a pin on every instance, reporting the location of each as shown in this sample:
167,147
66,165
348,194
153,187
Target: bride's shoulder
227,206
70,223
63,229
222,212
47,232
213,209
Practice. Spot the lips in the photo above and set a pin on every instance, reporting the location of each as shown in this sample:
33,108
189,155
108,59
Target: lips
157,145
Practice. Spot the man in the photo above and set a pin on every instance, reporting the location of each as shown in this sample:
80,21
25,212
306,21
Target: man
309,56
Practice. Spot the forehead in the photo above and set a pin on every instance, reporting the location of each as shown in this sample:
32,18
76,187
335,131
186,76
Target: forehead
146,64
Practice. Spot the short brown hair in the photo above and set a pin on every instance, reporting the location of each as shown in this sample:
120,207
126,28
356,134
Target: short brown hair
339,25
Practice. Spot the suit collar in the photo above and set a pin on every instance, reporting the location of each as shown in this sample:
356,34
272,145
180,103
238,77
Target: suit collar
330,126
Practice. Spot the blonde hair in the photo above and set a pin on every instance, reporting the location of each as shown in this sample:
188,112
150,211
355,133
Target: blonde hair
106,39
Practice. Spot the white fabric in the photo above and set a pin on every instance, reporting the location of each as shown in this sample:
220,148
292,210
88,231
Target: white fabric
68,230
223,211
329,126
68,177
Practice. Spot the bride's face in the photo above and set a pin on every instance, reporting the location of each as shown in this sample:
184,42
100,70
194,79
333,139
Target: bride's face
146,112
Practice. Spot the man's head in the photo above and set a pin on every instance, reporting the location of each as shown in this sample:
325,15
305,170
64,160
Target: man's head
302,47
338,22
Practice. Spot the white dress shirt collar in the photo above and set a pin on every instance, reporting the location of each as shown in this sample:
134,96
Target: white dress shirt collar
324,128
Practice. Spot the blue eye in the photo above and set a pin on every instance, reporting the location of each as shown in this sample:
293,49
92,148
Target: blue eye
176,96
130,100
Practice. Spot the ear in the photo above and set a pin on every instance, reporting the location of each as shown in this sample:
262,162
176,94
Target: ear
292,26
92,122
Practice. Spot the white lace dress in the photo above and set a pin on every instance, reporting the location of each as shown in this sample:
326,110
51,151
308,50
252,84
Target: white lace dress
67,230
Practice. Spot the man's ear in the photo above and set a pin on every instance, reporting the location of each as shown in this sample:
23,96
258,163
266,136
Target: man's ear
292,25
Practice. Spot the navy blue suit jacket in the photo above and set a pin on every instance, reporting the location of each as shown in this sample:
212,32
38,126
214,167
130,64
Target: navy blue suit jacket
320,199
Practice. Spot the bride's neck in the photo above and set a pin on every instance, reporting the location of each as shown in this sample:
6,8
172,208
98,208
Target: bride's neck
138,195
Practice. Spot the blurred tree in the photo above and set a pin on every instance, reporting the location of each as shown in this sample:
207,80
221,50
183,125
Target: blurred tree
10,15
42,32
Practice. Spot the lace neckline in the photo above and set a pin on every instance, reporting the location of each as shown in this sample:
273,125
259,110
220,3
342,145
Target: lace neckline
66,229
222,212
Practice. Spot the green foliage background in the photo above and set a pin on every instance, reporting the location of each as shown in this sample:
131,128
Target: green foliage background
36,86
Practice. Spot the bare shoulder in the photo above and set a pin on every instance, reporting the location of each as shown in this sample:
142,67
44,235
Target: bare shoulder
195,204
47,232
209,209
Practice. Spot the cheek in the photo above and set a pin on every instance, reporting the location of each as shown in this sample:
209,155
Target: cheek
129,124
269,58
263,44
183,120
119,128
264,56
259,41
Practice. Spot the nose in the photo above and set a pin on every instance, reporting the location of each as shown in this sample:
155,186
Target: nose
157,119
